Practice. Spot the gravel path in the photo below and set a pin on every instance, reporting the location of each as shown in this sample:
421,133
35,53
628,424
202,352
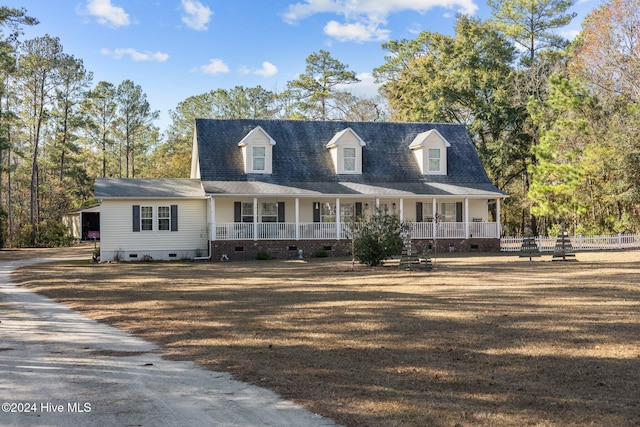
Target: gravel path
58,368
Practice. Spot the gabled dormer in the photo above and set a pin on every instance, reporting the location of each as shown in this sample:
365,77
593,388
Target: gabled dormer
257,149
346,152
430,150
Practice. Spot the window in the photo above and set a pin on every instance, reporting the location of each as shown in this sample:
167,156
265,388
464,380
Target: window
143,218
269,212
247,212
146,218
328,212
347,212
427,212
164,218
349,159
448,212
259,158
434,160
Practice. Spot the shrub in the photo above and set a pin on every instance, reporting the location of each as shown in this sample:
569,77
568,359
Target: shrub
376,238
263,255
321,253
48,234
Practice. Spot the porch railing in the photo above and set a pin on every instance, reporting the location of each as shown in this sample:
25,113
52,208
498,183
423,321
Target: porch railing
329,231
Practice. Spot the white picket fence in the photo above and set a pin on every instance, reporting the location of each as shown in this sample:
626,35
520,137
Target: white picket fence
579,243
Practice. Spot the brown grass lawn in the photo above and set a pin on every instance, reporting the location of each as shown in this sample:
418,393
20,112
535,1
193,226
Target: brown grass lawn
485,340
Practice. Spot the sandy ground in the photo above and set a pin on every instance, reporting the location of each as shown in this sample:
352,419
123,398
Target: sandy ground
59,368
481,340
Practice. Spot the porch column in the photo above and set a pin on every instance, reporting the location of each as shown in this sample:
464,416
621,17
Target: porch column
297,218
466,218
255,218
338,222
212,218
401,209
498,225
435,214
377,203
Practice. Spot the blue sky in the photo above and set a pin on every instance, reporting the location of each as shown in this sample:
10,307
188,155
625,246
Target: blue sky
177,48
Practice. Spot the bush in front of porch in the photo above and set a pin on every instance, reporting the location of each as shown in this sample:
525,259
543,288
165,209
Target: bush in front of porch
376,238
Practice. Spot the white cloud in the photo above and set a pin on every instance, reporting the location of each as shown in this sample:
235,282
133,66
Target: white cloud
197,16
364,20
107,13
357,32
366,87
135,55
215,66
267,70
570,34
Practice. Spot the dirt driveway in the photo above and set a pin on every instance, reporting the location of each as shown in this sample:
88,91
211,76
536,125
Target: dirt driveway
58,368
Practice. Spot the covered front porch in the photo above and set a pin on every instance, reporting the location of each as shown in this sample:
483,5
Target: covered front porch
295,219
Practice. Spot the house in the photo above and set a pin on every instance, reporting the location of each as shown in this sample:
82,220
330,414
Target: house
283,186
152,219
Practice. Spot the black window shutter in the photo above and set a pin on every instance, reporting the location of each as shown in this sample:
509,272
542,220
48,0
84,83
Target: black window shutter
358,209
316,212
136,218
458,211
237,212
280,211
418,211
174,217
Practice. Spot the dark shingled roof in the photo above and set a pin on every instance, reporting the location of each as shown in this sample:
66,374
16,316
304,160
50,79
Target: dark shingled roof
147,188
302,164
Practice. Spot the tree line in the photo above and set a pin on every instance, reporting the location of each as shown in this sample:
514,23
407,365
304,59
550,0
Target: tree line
556,123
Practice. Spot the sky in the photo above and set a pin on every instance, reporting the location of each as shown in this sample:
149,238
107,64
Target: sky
174,49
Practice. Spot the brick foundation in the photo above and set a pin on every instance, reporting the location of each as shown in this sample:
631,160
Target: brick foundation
243,250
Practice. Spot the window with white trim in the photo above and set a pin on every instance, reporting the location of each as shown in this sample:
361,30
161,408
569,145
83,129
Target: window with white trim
269,212
434,160
259,158
247,212
448,212
146,218
349,159
164,218
347,212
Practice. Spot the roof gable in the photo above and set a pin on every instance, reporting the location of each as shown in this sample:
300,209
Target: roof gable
343,136
428,138
256,134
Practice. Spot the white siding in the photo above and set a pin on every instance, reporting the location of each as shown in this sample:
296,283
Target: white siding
478,209
119,239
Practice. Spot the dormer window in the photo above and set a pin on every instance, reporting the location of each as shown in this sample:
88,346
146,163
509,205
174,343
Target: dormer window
346,152
257,151
430,151
259,157
434,160
349,159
